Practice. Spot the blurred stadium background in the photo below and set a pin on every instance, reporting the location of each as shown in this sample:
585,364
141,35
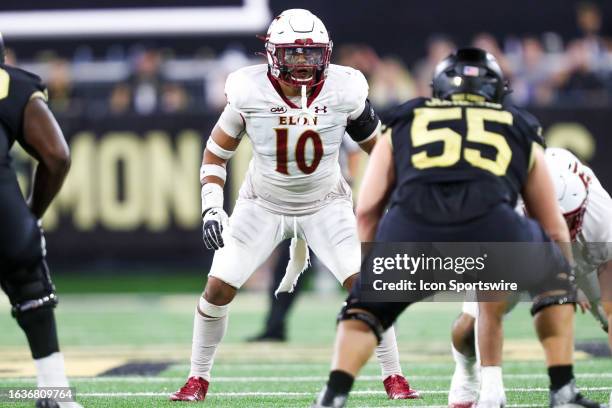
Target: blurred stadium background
137,85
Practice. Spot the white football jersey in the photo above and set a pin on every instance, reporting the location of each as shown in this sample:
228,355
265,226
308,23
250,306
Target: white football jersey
594,243
294,168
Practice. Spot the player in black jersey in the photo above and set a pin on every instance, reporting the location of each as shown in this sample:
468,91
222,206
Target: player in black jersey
24,275
451,170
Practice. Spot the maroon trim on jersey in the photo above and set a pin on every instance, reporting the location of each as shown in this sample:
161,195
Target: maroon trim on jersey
279,90
315,93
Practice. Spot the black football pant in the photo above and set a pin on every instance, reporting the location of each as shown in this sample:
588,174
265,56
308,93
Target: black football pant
24,275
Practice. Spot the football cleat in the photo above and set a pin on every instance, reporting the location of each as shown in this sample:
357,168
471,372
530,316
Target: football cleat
194,390
268,337
51,403
397,387
568,396
328,399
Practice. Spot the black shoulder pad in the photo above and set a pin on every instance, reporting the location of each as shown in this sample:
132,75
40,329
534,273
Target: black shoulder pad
390,117
17,88
530,124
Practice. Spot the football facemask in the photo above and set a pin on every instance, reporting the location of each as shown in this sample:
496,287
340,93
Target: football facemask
299,65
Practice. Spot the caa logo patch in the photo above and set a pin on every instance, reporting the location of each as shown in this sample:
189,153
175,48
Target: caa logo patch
278,109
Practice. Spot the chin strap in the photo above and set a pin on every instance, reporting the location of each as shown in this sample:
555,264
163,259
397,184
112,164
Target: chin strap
304,98
305,110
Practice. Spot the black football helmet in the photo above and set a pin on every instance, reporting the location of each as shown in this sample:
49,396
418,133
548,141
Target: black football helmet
470,71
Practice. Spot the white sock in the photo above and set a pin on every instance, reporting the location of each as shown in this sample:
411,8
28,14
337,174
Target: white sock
492,385
50,371
388,354
491,377
207,334
464,365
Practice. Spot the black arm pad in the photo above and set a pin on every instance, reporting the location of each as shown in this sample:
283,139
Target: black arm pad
361,128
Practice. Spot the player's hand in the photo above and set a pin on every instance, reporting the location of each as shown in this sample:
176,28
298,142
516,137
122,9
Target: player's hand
215,219
583,302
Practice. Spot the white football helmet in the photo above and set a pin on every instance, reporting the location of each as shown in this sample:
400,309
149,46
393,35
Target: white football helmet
298,48
571,185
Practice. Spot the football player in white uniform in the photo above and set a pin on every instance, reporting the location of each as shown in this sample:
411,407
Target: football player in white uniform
587,208
295,111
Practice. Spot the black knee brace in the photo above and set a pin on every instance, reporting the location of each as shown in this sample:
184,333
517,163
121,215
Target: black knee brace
29,288
542,302
563,291
33,298
369,319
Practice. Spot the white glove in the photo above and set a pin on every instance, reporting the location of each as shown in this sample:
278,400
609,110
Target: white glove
215,219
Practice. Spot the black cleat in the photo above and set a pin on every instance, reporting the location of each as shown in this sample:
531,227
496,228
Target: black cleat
328,399
267,337
568,396
46,403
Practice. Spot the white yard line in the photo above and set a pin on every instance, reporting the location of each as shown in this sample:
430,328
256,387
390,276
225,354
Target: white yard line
146,379
299,394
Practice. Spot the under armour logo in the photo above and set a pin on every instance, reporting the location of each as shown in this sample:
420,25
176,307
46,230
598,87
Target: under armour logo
318,109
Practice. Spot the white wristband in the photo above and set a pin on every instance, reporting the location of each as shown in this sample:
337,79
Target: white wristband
212,196
212,170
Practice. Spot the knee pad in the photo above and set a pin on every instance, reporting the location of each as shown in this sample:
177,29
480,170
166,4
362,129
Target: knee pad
365,317
30,288
207,308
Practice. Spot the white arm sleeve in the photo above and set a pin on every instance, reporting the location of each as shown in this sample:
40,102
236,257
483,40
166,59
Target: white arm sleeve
232,122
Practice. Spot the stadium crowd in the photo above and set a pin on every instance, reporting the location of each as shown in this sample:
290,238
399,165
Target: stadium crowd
544,71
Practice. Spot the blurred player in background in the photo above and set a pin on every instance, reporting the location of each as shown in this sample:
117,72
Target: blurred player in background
443,189
24,274
587,209
275,328
295,110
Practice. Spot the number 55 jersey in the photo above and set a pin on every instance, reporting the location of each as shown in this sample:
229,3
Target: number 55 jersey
457,159
295,141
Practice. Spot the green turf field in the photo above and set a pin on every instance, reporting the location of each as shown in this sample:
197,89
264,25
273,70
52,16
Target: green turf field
101,332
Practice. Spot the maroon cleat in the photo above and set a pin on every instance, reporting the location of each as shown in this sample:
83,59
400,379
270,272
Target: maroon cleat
397,387
194,390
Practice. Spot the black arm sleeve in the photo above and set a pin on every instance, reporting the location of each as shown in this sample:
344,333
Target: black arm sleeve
361,128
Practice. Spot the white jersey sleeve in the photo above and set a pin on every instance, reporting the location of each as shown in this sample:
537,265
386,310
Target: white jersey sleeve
232,119
356,93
